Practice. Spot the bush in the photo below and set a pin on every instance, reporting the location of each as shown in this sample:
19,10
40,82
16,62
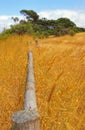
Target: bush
5,34
19,29
72,32
22,28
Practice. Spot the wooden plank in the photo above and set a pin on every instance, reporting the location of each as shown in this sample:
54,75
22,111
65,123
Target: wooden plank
30,97
28,119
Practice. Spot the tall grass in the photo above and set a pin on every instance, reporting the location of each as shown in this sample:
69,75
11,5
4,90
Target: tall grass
59,75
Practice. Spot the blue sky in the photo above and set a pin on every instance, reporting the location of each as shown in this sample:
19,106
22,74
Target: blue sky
12,7
50,9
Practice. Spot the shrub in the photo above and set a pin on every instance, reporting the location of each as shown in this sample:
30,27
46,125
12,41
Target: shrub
72,32
5,34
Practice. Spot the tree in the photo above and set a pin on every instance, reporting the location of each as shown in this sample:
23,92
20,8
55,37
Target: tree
30,15
22,22
65,22
15,19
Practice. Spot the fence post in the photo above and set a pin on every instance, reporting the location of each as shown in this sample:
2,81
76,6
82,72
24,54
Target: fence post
28,119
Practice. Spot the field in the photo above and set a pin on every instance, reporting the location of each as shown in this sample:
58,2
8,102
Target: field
59,64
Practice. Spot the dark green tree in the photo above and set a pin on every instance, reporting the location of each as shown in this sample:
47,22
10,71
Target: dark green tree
65,22
30,15
15,19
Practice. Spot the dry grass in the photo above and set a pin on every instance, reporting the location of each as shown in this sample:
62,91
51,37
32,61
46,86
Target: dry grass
59,65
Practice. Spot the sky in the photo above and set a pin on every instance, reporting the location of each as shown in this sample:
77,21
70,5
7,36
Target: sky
50,9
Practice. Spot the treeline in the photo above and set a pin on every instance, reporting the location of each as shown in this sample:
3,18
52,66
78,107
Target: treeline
42,27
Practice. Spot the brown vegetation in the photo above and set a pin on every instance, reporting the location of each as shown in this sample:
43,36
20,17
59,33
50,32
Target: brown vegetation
59,64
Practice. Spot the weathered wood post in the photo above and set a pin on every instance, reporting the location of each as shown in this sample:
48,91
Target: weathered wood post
28,119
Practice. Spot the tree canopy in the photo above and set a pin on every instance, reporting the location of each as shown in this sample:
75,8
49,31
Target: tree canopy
42,27
30,15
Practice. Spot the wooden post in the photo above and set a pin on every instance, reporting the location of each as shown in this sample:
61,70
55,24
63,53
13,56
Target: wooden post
28,119
30,98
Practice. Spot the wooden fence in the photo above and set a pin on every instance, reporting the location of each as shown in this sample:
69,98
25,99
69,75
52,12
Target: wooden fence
28,119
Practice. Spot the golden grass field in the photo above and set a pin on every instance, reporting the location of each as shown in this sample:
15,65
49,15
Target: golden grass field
59,64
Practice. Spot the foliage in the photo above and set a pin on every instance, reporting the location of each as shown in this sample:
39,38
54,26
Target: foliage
22,28
42,27
65,22
19,29
71,32
5,33
30,15
15,19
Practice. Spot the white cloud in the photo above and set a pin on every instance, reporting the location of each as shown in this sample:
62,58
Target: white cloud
76,16
6,21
